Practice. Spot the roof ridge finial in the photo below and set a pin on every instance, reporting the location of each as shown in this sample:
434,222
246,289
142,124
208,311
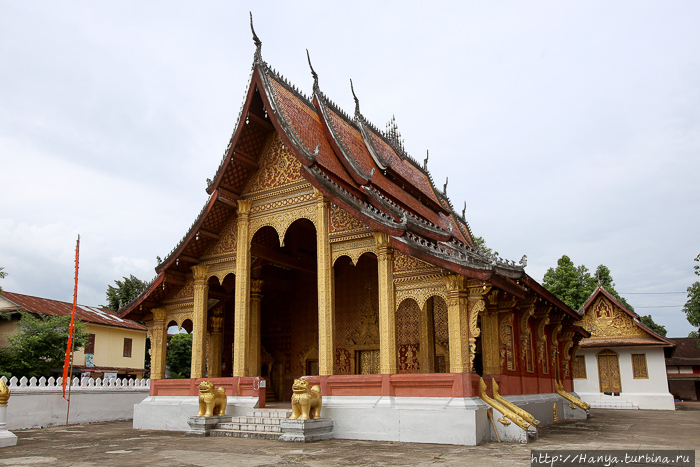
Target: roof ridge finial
444,189
425,162
464,211
258,42
313,72
357,101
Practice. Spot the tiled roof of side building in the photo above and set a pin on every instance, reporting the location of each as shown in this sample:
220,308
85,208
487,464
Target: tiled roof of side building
50,307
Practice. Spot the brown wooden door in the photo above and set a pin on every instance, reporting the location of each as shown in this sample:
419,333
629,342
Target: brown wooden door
609,373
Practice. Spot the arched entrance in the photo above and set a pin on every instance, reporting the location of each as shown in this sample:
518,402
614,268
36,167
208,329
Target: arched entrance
284,306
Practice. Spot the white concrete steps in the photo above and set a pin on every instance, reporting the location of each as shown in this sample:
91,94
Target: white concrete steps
258,423
613,402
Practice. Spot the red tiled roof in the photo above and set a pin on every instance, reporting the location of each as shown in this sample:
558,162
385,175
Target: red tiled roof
45,306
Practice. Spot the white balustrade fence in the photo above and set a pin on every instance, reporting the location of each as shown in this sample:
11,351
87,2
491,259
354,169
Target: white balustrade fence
39,402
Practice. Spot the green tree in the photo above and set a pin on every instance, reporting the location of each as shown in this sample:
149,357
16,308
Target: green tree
38,348
604,278
480,244
657,328
692,306
179,355
3,314
125,291
569,283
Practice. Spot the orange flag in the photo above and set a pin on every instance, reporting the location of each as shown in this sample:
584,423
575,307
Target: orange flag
67,363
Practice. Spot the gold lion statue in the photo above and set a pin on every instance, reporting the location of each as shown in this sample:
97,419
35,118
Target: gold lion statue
306,403
211,402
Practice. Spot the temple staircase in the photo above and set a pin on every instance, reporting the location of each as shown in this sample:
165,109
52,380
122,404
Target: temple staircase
258,423
613,402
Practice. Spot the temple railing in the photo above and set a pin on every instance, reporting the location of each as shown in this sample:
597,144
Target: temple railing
39,402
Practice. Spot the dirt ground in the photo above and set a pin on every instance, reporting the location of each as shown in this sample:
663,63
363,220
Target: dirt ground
117,443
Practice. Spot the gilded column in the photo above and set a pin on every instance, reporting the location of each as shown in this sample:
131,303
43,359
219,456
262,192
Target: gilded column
477,306
426,331
387,306
490,339
158,343
216,331
326,294
254,329
199,321
242,312
458,324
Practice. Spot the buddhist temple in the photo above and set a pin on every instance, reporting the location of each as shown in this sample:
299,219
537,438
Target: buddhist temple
622,364
326,251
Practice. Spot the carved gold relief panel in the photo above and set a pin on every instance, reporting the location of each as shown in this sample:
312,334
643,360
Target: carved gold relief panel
278,167
609,321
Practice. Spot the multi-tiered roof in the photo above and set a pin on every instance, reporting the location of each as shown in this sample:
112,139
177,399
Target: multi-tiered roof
363,170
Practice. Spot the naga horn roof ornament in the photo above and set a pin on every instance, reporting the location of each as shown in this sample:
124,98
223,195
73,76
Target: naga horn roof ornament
258,42
313,72
357,101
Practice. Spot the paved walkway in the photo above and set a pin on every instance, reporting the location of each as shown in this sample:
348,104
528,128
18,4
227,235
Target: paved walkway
116,443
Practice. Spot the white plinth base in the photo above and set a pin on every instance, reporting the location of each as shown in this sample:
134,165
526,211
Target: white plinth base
172,412
202,426
306,431
7,439
439,420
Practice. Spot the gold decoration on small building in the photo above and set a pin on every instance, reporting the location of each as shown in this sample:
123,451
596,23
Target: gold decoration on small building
4,393
211,401
555,415
306,403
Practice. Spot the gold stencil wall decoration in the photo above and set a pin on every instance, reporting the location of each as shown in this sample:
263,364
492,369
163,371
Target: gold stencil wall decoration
227,240
420,290
278,167
341,221
405,264
187,291
353,249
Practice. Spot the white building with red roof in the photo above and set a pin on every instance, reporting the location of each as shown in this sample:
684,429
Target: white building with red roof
116,347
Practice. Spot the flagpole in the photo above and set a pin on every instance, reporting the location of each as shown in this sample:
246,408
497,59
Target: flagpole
68,361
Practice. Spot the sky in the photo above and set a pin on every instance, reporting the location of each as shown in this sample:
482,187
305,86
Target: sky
568,128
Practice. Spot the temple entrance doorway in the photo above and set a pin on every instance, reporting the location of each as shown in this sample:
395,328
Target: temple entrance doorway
609,372
284,291
220,325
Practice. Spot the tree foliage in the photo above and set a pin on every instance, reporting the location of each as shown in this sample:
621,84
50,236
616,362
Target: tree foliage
480,244
38,348
569,283
604,278
692,305
657,328
125,291
574,284
179,355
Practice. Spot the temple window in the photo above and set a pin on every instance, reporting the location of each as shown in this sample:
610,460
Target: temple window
639,366
580,367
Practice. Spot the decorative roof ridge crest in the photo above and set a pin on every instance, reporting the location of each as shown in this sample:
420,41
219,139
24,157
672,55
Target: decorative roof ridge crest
258,43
